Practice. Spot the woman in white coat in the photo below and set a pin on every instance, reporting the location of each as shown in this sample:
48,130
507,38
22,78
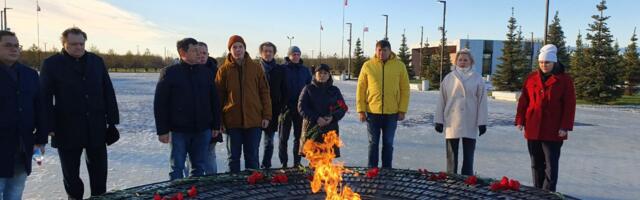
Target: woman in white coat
462,111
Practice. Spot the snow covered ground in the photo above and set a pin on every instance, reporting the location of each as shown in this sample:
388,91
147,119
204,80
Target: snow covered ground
600,160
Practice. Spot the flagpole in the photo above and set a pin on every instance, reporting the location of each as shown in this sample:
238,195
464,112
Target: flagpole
344,5
363,31
320,53
38,28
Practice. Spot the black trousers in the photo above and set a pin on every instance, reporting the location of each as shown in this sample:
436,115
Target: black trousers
468,149
289,119
545,156
96,160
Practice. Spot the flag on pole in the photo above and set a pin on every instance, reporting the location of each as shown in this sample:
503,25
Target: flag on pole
38,7
366,29
346,3
321,27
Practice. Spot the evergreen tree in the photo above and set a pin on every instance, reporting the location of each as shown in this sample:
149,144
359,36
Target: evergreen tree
631,65
359,58
577,59
426,60
513,69
405,56
433,69
600,80
556,37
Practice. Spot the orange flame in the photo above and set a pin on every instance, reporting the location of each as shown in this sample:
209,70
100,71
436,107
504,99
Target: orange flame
320,156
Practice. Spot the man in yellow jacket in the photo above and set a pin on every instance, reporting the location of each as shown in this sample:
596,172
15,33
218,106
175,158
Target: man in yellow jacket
382,99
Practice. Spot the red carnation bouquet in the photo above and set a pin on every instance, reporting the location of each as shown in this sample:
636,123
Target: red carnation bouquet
315,132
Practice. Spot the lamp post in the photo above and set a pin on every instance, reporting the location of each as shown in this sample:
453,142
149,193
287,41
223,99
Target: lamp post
349,63
546,22
290,39
444,14
386,27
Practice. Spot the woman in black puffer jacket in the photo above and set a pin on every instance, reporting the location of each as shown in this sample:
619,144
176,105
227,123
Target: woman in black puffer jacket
316,103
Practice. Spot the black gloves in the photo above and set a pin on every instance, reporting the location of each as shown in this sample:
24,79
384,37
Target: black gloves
482,129
439,127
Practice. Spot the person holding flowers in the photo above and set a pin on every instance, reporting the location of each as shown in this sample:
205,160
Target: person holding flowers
321,106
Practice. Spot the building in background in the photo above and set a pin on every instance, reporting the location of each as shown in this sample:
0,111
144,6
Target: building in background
485,52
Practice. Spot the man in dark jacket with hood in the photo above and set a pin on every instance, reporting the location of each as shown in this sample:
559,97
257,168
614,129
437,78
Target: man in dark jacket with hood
20,116
278,86
81,105
187,110
298,76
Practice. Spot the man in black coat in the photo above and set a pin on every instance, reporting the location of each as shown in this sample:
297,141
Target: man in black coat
211,64
277,84
81,104
20,117
187,110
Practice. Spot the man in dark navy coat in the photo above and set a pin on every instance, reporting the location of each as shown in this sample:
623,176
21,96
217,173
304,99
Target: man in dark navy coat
80,104
21,118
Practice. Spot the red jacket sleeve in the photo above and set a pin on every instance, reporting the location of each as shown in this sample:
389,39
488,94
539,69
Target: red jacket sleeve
568,106
523,103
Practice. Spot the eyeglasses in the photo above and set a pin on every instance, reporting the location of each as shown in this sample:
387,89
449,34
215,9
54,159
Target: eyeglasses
9,46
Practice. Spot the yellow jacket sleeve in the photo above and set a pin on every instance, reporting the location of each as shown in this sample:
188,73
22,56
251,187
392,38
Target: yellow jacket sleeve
404,91
361,90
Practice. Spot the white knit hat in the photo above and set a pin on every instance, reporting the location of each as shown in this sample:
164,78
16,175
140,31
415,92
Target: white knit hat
548,53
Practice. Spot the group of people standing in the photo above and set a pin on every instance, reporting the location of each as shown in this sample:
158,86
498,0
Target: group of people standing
71,100
198,104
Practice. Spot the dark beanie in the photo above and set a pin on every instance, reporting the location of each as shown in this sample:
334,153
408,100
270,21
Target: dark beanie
293,49
323,67
234,39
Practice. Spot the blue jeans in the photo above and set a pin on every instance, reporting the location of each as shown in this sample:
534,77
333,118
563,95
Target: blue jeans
268,148
196,145
241,140
212,165
378,124
11,188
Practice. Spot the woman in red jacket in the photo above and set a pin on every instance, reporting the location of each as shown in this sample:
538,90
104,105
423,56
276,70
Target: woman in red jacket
545,112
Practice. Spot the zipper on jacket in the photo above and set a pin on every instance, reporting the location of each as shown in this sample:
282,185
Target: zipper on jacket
382,111
240,75
195,101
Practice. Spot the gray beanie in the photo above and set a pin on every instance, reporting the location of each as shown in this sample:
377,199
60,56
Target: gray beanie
293,49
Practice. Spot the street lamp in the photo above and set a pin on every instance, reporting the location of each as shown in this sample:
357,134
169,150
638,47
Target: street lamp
444,14
349,63
386,26
290,39
546,22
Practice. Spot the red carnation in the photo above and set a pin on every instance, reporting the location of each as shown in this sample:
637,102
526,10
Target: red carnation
343,105
255,177
310,178
514,185
471,180
193,192
495,186
280,178
504,183
373,172
178,196
433,177
423,171
157,197
442,176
